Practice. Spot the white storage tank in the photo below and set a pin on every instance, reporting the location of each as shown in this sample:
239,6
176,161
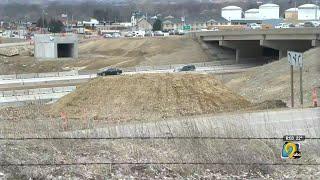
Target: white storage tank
252,14
308,12
269,11
231,13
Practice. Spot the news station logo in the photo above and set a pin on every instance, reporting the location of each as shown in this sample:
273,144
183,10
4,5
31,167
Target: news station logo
291,150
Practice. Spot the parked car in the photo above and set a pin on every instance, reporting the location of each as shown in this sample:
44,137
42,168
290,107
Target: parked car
284,26
312,24
254,26
180,32
107,36
116,35
299,25
188,68
110,71
129,34
158,33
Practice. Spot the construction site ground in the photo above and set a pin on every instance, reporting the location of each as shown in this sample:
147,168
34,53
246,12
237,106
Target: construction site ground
272,81
123,52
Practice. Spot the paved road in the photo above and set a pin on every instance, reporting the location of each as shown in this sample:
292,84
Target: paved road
71,80
14,44
275,123
32,82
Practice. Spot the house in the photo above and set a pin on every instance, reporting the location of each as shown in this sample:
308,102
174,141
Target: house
141,22
195,23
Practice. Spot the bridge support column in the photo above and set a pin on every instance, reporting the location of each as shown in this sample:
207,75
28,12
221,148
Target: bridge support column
245,50
283,46
282,53
315,43
237,55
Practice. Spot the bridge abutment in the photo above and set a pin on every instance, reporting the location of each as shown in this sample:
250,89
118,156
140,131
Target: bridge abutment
283,46
244,50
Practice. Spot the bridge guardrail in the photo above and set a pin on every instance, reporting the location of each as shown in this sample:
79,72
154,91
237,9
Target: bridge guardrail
38,75
39,91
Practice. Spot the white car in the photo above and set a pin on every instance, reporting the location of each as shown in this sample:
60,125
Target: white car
254,26
284,26
107,36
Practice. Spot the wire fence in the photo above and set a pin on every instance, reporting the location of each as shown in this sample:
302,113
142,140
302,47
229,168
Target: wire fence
158,163
146,138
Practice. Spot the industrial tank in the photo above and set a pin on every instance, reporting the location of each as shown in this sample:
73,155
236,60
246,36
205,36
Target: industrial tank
231,13
252,14
308,12
269,11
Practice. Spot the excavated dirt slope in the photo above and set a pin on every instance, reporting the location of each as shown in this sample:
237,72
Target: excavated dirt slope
272,81
122,52
148,96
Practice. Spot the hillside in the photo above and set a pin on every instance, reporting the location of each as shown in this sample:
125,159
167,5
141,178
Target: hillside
272,81
125,52
149,96
137,51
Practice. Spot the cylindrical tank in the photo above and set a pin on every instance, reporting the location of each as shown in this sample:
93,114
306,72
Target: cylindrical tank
252,14
231,13
269,11
308,12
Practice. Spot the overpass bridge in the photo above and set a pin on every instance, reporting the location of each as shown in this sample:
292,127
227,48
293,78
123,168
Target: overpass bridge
250,44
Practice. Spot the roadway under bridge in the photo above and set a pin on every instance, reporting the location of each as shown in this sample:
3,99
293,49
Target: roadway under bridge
259,45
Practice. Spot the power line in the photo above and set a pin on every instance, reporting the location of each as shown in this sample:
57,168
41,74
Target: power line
155,163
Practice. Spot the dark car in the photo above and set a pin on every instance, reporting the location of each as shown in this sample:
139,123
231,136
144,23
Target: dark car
111,71
188,68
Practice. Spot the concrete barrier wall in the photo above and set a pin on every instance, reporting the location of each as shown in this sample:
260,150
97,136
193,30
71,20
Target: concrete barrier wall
68,73
27,76
53,74
25,92
38,75
8,77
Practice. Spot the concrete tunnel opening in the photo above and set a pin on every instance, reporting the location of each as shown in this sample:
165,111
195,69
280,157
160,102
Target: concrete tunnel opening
65,50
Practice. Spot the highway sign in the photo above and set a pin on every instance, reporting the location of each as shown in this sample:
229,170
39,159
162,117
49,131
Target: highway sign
187,27
295,58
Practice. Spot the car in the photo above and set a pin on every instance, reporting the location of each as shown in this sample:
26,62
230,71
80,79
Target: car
312,24
284,26
129,34
110,71
158,33
180,32
116,35
107,36
188,68
254,26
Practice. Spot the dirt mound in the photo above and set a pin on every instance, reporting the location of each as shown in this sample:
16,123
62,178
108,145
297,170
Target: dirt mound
148,96
272,81
141,51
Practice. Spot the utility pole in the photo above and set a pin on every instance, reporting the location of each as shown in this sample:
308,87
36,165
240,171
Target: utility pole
43,21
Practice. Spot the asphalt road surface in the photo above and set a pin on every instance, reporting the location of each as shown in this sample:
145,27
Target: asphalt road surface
71,80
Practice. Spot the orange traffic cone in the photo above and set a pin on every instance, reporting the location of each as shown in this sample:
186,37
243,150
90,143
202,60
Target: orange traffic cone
314,97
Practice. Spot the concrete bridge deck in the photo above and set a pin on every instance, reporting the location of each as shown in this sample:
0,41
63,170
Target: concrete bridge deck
253,43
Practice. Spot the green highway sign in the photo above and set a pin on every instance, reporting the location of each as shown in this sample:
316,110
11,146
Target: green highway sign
187,27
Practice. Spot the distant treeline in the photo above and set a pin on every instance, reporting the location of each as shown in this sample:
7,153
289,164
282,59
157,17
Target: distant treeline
114,12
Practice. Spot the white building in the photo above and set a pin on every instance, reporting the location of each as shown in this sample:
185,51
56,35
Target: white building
92,23
308,12
252,14
231,13
269,11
